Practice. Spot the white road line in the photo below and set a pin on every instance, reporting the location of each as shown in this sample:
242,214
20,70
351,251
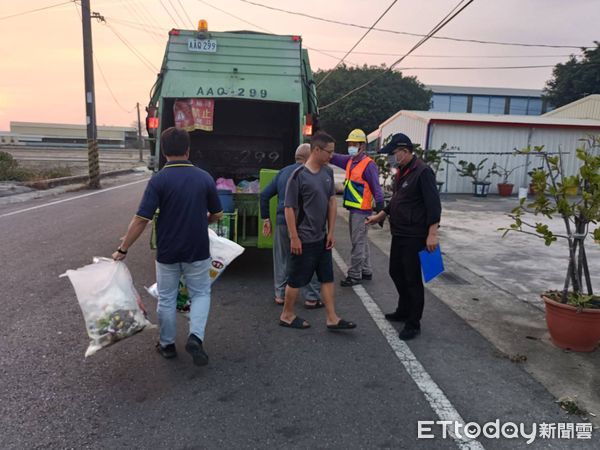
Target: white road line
432,392
71,198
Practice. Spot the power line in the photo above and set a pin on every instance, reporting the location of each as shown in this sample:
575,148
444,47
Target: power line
168,12
451,15
357,42
442,56
235,17
108,87
262,28
137,54
476,41
31,11
177,13
186,14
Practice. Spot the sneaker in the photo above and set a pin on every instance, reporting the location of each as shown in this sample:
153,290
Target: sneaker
167,352
367,276
396,317
348,281
194,347
409,332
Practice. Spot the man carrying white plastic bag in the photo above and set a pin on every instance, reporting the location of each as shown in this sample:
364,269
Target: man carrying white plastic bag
111,307
187,199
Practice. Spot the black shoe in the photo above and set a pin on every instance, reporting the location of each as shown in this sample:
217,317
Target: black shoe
348,281
367,276
409,332
194,347
396,317
168,351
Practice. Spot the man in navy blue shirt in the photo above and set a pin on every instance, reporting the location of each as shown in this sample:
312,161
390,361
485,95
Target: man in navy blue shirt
281,239
187,200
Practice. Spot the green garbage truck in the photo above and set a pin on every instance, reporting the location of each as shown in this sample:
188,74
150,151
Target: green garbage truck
248,100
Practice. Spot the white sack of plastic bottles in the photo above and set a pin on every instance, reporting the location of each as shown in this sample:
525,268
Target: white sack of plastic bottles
222,253
111,307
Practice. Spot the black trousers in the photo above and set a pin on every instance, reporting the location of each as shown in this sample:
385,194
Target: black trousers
405,270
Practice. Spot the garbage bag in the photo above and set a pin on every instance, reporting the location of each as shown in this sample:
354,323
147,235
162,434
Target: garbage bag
222,253
112,308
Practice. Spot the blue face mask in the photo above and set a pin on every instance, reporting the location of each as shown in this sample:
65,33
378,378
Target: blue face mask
353,151
392,160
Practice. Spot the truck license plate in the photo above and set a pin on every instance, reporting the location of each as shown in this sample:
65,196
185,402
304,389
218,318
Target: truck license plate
202,45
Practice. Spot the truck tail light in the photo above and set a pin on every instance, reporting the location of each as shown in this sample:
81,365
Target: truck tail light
174,32
152,120
307,129
296,38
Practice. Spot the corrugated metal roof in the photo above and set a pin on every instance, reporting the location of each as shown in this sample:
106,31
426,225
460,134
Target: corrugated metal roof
467,90
491,119
584,108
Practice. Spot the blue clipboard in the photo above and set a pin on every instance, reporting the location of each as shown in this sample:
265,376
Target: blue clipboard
431,263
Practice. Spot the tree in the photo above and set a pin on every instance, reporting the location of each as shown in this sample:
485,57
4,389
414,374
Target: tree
370,106
575,79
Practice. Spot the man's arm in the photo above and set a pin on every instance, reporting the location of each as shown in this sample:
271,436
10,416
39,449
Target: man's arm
371,176
340,161
215,217
290,220
433,207
265,197
134,231
331,215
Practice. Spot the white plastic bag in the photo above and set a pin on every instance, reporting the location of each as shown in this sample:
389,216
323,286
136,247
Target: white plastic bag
111,307
222,253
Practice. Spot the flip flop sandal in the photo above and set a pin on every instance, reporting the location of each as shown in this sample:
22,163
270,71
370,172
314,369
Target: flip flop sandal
342,325
297,323
278,300
314,305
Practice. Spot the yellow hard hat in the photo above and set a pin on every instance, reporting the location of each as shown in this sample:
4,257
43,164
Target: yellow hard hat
357,135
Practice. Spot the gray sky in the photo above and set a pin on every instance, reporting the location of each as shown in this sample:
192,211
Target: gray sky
42,70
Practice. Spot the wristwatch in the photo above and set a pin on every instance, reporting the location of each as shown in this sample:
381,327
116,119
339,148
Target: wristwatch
121,251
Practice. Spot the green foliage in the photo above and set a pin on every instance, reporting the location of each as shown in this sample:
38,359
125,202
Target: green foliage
555,198
368,107
469,170
11,171
432,157
504,172
575,78
385,171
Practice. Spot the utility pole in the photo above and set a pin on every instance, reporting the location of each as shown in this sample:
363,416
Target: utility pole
140,142
90,97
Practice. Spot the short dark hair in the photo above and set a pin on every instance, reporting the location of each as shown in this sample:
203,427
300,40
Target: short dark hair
174,142
320,139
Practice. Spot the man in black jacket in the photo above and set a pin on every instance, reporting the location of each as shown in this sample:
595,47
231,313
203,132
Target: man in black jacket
414,213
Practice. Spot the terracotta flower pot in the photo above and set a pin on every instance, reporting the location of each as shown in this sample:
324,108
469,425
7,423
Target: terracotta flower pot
572,329
505,189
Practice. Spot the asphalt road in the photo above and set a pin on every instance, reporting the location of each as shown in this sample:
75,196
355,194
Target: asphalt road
265,386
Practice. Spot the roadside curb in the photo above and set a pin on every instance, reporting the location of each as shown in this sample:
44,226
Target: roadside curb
53,182
58,186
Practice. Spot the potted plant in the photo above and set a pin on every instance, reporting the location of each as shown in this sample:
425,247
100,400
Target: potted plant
505,188
433,158
481,185
572,314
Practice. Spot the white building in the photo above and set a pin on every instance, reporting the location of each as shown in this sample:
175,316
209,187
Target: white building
67,135
584,108
474,137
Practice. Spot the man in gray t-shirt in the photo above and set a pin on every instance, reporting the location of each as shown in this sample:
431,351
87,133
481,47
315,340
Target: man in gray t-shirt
310,212
312,192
